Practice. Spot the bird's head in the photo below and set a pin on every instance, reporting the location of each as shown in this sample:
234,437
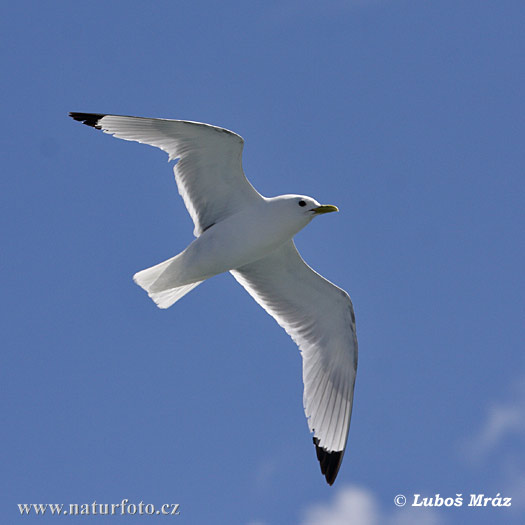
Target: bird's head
307,207
298,210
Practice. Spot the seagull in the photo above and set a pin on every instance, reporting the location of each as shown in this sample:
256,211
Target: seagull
239,231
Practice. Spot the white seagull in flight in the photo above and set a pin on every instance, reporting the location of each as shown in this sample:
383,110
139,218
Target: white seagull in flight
251,236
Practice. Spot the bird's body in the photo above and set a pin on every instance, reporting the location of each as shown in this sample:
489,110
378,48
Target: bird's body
240,231
238,240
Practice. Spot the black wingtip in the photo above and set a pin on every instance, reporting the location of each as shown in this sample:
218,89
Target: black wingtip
89,119
329,461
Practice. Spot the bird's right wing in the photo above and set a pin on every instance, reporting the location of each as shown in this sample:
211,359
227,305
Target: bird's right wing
209,172
320,318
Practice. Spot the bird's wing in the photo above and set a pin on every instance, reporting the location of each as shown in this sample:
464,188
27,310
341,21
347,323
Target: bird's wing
209,172
320,318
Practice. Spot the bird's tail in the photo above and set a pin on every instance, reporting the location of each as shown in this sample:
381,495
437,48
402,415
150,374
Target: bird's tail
156,281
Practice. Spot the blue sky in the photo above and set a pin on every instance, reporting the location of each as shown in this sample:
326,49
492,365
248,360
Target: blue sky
407,115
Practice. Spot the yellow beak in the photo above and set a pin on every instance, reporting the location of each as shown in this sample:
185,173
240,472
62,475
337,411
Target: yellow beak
325,208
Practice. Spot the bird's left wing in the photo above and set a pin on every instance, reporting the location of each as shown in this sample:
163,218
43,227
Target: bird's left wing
320,318
209,172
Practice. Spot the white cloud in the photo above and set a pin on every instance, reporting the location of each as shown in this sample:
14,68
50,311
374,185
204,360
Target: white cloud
359,506
499,443
514,486
503,420
350,505
266,470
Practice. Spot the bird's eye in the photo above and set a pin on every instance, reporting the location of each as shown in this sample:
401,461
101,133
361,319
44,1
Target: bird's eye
302,203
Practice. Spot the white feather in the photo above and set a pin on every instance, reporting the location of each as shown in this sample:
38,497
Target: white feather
319,317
